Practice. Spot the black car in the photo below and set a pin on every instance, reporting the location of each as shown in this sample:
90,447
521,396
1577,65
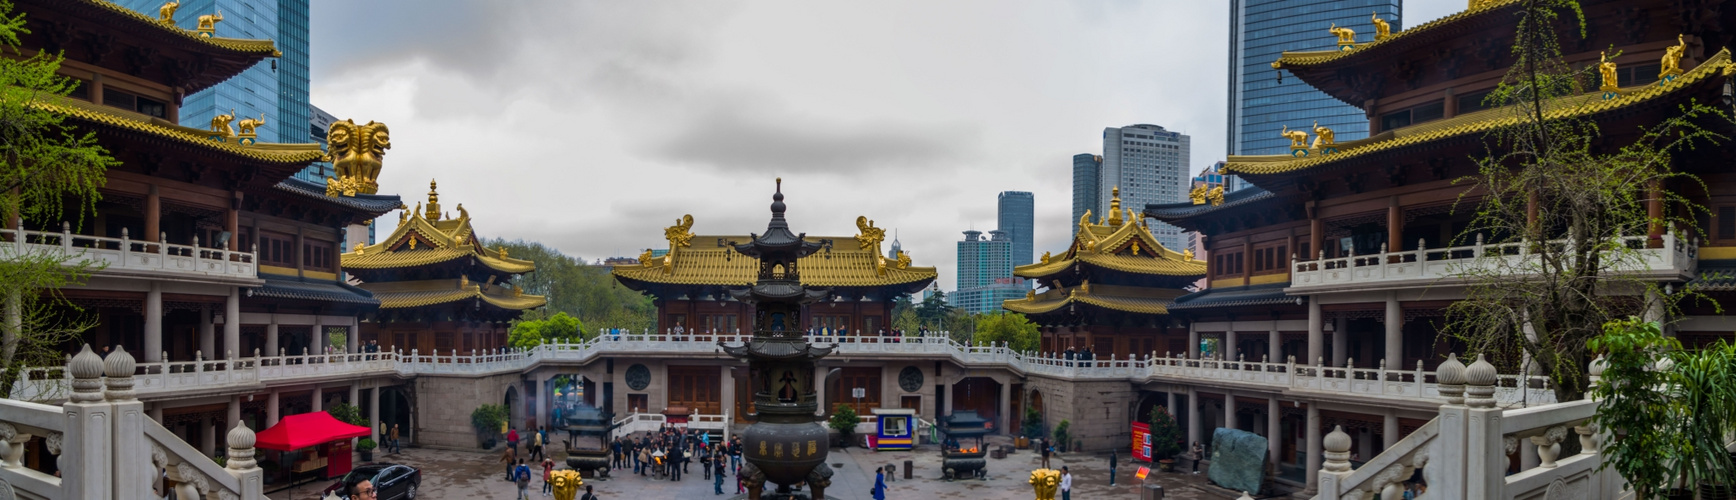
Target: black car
391,481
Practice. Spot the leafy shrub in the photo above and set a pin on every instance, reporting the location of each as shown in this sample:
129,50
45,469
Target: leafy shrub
844,419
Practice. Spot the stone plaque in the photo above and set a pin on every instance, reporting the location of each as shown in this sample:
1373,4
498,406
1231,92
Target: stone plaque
638,377
910,379
1238,460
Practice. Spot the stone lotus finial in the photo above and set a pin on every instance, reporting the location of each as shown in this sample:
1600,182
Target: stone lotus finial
1451,377
119,368
1337,446
241,440
1480,384
86,369
1597,367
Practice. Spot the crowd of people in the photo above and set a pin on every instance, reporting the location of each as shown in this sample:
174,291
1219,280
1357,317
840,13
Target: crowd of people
681,333
669,453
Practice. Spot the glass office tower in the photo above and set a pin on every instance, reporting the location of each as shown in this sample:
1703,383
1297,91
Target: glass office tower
1260,104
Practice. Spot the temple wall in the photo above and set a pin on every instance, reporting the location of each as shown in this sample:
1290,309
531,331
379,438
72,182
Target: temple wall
1097,410
443,406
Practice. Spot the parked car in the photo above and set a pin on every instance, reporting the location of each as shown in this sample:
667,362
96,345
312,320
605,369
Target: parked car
391,481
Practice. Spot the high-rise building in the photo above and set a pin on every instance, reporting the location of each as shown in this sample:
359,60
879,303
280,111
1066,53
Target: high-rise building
1015,216
1263,101
1149,165
275,89
985,273
1087,169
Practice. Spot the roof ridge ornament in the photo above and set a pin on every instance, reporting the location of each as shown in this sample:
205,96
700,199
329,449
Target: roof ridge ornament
1382,30
208,23
871,236
1114,219
356,153
166,13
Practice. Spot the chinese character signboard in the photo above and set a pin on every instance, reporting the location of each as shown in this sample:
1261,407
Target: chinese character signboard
1142,441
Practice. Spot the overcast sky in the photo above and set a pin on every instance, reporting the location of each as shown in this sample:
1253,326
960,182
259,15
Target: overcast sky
589,126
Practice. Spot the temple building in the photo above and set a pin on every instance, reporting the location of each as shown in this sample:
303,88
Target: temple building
1349,253
1110,290
690,282
439,289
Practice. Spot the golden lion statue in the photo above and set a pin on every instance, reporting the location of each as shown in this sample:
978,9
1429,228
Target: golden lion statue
356,152
1045,482
566,483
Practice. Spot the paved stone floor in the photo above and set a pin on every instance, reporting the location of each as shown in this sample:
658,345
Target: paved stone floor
465,475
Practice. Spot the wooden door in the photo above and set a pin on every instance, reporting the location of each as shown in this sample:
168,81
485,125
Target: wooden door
697,387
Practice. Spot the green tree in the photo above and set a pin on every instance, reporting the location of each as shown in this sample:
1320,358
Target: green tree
933,312
1669,409
1019,333
1550,178
49,173
1033,426
586,292
559,328
349,414
1165,436
844,420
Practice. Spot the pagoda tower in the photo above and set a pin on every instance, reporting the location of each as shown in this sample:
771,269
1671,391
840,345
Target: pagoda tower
785,446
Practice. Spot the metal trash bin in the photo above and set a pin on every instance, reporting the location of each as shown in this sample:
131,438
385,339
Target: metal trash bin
1151,491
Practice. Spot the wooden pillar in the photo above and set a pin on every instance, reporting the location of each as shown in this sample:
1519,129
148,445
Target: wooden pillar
1248,261
1449,104
153,211
1316,236
231,221
1394,229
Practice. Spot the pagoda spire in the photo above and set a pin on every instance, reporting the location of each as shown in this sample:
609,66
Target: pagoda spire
433,213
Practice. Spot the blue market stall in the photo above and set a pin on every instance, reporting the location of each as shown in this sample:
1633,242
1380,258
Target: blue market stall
897,428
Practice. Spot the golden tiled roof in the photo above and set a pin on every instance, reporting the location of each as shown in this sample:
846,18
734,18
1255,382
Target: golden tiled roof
708,263
412,294
1139,300
1313,58
427,237
1125,246
266,47
118,118
1479,122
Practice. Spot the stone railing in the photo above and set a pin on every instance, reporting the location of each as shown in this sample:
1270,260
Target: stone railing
126,256
1675,258
1464,451
107,448
51,383
651,422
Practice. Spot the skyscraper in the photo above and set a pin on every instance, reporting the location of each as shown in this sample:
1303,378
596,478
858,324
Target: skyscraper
1015,216
1149,164
1087,169
985,273
276,89
1261,102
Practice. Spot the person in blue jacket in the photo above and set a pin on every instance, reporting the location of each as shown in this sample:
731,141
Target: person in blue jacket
879,490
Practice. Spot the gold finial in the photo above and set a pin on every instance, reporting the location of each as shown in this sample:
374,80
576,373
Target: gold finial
208,24
502,247
1046,257
1031,295
1382,30
356,153
359,247
1671,65
1216,195
220,125
166,13
433,213
679,235
1114,206
1187,254
1198,194
871,236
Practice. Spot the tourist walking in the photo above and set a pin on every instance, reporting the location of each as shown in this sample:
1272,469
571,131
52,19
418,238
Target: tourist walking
644,459
1046,449
512,439
1112,462
588,494
535,448
521,475
717,469
879,490
1066,484
508,457
548,473
397,447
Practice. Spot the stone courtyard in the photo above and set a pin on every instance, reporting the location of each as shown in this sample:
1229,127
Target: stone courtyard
452,474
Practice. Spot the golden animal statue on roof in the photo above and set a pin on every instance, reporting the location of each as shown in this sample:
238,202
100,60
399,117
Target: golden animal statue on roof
1046,257
166,13
1187,254
1324,139
1382,30
220,124
1345,35
678,234
248,125
1216,195
646,260
1606,69
208,24
1085,219
1198,194
356,152
871,236
1671,65
903,259
1298,138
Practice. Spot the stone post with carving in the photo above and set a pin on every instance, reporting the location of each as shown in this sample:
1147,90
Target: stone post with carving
1485,447
130,460
86,455
1336,469
241,463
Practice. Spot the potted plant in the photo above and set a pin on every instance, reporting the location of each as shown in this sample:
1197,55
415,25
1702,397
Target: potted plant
1032,428
844,420
366,447
1165,439
487,420
1061,435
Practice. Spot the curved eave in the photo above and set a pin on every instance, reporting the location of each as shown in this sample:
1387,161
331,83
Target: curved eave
430,256
1396,44
1118,263
123,16
710,268
1169,212
372,206
428,298
102,116
1135,305
1584,105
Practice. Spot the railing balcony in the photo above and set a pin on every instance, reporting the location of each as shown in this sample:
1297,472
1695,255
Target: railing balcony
125,256
1674,258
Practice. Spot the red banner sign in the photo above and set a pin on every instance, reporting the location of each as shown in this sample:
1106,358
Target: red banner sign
1142,441
1143,471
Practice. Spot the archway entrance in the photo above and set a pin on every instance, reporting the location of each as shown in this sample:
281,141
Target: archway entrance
982,394
514,414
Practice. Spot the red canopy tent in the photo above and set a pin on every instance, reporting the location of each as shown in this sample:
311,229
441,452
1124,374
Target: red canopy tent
295,432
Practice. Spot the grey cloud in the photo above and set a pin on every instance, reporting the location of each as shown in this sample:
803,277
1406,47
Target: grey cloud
742,138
